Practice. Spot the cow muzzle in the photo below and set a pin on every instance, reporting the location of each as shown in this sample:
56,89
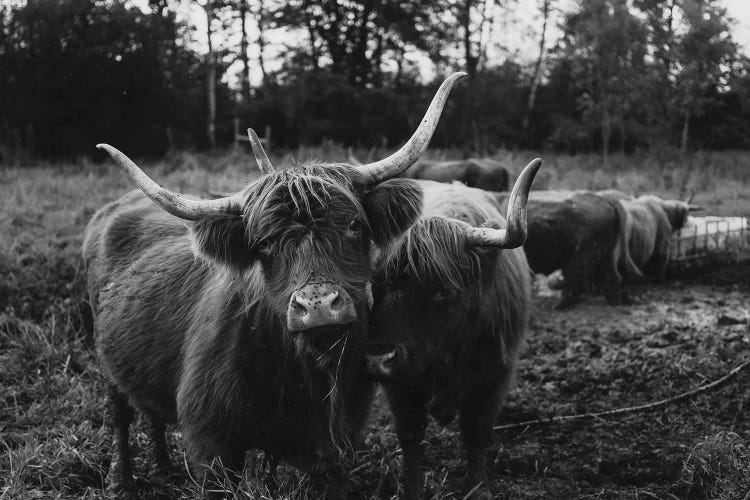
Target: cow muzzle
317,305
388,362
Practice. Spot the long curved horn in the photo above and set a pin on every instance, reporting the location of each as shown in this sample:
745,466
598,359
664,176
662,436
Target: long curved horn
173,203
694,208
515,234
690,197
264,164
409,153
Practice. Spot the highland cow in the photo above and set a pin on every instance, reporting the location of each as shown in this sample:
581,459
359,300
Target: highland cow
451,308
652,222
245,319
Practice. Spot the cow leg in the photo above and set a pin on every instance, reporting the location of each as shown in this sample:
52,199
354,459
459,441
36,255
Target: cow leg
573,288
479,409
409,406
610,282
271,479
657,266
161,452
122,415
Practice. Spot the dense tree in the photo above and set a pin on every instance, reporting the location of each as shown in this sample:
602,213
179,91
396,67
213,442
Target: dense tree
605,44
77,72
702,56
636,74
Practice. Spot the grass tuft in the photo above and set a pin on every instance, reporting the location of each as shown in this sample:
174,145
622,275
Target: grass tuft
718,467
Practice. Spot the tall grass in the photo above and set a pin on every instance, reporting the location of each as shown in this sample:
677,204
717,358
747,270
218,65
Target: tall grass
54,440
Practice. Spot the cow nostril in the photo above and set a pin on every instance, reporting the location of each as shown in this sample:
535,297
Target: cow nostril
297,306
336,301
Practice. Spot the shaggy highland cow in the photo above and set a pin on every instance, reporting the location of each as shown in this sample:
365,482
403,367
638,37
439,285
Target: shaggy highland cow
483,173
582,234
651,223
452,296
245,318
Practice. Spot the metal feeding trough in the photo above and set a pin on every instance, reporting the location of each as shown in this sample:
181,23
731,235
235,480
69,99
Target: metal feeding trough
708,236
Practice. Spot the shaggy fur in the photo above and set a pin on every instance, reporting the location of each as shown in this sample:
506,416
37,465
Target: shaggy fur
583,234
461,313
190,317
649,234
482,173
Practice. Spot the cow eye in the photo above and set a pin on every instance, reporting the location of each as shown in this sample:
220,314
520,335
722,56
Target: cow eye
355,228
443,295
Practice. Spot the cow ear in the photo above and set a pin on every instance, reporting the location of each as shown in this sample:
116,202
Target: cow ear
222,239
392,207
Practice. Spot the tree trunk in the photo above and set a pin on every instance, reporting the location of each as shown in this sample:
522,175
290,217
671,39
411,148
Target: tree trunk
211,78
471,59
245,75
211,81
606,134
311,33
471,131
537,68
621,131
358,63
685,133
262,40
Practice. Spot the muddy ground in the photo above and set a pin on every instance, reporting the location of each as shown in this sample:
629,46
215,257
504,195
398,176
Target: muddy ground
594,358
677,337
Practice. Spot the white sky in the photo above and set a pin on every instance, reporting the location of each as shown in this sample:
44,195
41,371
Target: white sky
516,32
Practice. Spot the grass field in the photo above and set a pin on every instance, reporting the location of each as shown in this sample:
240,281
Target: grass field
54,442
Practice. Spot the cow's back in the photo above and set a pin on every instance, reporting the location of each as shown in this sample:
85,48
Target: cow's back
144,282
564,223
551,223
490,175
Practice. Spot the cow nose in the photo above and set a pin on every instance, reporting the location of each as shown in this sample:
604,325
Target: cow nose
319,304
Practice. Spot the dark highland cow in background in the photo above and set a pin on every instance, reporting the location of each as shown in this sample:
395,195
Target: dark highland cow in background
482,173
246,318
582,234
453,295
651,223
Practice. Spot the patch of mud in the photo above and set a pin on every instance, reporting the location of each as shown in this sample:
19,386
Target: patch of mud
596,358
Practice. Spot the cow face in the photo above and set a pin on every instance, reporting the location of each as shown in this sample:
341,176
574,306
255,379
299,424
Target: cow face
433,284
426,291
310,230
677,212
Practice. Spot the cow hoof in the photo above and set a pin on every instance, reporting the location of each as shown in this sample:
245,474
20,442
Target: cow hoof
121,491
116,485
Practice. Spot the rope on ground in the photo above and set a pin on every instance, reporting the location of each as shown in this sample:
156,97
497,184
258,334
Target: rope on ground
630,409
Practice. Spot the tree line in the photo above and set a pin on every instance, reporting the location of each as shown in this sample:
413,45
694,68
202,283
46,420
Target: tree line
616,75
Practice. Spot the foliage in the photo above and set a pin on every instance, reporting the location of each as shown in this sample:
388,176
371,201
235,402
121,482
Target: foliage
624,76
77,72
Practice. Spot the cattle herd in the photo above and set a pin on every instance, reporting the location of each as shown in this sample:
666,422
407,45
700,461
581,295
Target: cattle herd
264,319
